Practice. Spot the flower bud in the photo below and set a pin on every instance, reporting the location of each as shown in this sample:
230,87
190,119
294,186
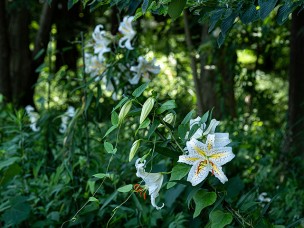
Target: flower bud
146,109
169,118
124,111
134,149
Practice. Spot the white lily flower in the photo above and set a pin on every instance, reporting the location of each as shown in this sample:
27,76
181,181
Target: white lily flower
143,68
101,42
93,66
153,181
70,113
34,116
201,131
208,157
127,31
263,198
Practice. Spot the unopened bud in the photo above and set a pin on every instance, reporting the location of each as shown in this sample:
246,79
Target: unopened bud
124,111
134,149
169,118
146,109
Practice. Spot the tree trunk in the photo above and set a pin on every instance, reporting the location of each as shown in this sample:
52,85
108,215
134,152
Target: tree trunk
296,87
207,79
16,57
193,64
20,56
5,82
226,61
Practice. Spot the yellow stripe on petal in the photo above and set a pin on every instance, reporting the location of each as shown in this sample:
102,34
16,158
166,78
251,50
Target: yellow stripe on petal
199,151
218,155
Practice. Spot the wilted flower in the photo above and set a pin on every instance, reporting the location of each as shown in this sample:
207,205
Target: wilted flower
101,42
153,181
34,116
127,31
143,68
70,113
208,157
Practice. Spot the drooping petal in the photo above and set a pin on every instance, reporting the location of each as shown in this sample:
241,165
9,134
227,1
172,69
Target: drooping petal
135,79
196,147
128,44
218,173
221,155
153,181
154,204
198,172
221,139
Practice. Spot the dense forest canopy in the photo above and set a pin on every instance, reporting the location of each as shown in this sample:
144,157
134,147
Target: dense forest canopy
170,113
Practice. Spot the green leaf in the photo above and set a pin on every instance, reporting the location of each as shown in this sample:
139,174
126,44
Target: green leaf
39,53
182,131
204,117
188,117
18,212
144,124
88,101
121,103
203,199
101,175
152,128
221,39
220,219
10,173
109,199
166,106
283,13
8,162
145,6
125,188
227,23
114,118
249,15
110,130
175,8
138,91
93,199
266,6
71,3
108,147
178,172
215,17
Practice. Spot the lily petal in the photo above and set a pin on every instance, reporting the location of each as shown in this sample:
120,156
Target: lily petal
221,139
211,128
196,147
221,155
188,159
218,172
198,172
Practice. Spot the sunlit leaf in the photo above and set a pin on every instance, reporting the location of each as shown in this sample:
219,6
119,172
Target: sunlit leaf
125,188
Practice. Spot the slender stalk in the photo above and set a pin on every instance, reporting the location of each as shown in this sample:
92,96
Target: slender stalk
85,95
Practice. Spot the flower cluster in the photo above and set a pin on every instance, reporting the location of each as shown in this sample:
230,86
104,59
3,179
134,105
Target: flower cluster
70,113
96,65
34,116
209,156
